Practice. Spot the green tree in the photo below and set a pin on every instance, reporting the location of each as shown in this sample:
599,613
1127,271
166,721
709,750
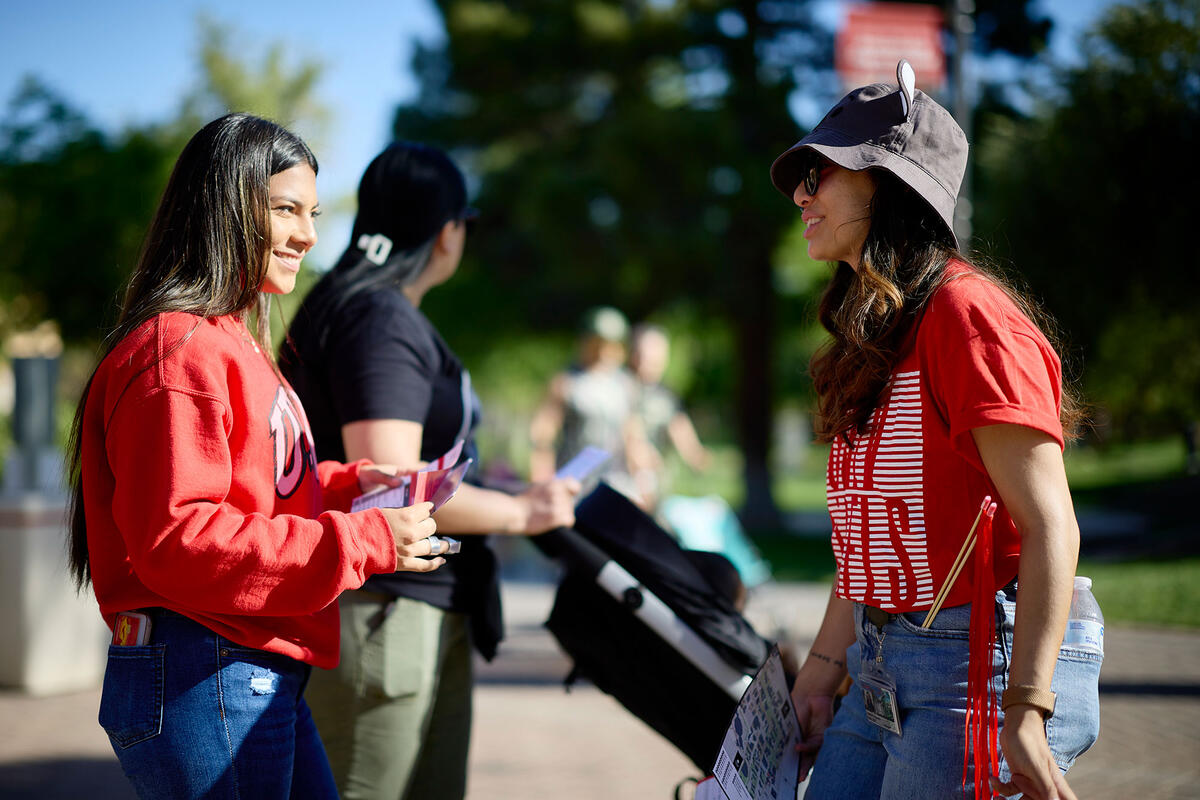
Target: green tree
621,149
622,152
1091,200
75,201
234,77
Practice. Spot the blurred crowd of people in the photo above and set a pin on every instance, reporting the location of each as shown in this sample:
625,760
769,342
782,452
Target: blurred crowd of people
613,397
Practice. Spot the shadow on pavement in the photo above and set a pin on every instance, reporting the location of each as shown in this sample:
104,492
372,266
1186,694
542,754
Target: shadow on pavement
64,779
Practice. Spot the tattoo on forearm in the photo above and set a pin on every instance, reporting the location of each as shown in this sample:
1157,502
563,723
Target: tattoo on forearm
826,659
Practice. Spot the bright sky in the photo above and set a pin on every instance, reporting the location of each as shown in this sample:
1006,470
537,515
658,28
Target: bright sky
131,61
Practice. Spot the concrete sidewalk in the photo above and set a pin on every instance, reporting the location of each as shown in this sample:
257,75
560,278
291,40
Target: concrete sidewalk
532,739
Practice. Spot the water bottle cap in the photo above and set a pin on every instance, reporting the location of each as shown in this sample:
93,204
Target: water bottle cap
1083,582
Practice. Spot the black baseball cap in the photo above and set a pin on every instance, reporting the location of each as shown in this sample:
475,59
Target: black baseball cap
896,128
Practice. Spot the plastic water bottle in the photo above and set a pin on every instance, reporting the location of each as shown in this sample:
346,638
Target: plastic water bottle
1085,627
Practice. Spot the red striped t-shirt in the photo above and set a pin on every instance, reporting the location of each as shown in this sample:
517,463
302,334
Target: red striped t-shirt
903,495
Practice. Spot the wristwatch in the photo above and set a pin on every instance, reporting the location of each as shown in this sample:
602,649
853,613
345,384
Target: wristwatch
1041,699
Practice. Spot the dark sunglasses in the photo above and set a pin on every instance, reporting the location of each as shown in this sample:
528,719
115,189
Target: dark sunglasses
810,174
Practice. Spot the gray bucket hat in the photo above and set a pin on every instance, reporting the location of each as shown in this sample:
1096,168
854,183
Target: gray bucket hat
900,129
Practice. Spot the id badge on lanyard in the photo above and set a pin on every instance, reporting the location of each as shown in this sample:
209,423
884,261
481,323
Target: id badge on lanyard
879,693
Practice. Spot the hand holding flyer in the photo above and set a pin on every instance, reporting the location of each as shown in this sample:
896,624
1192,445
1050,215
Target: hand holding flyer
435,482
438,486
758,759
448,459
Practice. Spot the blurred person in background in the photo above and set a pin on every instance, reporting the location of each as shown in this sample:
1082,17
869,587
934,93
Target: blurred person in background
938,389
593,403
215,543
381,383
663,418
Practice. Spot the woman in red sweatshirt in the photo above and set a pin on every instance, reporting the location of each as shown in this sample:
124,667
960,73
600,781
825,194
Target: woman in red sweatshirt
215,542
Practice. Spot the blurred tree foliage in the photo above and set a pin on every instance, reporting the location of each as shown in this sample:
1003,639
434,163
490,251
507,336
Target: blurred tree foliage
1015,27
75,202
266,84
622,149
1092,199
622,152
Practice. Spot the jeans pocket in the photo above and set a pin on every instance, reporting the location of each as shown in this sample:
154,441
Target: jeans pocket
1075,725
264,672
233,653
950,623
131,704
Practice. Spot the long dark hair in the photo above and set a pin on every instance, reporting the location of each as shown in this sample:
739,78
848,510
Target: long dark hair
206,253
354,274
407,194
872,312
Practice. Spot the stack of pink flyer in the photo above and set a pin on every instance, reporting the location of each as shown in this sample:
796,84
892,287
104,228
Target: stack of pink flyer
437,482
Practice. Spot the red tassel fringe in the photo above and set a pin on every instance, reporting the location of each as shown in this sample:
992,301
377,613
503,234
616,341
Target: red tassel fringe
981,729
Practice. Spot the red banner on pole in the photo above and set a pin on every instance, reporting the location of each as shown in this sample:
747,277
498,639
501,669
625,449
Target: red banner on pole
877,35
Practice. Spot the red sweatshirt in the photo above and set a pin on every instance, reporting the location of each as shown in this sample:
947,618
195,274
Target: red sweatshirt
203,494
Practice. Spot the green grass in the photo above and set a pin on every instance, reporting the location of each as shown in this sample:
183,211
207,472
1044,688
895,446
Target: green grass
1142,592
1091,469
1147,592
1133,591
800,492
1092,472
800,486
796,558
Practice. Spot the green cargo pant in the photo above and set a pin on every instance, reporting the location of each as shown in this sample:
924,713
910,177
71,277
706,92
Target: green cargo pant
395,715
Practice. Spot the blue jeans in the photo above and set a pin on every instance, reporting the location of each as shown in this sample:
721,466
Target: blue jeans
929,666
191,714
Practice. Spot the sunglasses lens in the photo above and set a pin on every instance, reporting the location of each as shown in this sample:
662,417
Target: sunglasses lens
812,179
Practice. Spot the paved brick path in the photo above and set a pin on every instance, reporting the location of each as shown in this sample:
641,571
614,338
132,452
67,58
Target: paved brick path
533,740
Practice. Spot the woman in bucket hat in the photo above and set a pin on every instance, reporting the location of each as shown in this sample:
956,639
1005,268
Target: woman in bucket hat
943,402
378,378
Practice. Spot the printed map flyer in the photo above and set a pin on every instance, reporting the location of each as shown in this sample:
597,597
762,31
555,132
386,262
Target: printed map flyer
758,759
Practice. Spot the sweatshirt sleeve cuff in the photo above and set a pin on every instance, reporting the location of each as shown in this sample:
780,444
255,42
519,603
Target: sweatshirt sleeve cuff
380,546
339,483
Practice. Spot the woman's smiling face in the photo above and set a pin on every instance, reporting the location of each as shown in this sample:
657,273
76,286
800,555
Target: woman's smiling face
838,214
293,207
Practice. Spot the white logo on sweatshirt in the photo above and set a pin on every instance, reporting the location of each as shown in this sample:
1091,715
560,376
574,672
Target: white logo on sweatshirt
292,438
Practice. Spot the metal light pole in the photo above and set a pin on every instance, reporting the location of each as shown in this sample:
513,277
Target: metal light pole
963,25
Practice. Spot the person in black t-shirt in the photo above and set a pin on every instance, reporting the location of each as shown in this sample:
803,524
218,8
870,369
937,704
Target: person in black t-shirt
379,382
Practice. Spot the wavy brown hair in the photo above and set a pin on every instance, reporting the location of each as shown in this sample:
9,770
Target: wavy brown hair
206,253
873,312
